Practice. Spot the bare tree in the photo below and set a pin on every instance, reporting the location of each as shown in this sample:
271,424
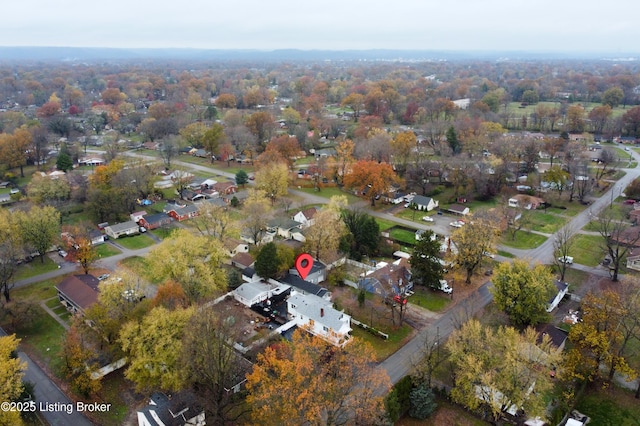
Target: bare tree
618,238
561,248
429,357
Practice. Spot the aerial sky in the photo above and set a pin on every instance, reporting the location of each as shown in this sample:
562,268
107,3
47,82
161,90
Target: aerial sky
469,25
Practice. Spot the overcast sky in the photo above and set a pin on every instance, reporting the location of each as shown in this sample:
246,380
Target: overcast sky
531,25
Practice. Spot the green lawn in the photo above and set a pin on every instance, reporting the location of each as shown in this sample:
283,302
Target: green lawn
135,242
434,301
106,250
587,249
44,335
546,222
330,191
33,268
383,348
611,406
139,266
385,224
524,240
403,235
592,226
505,254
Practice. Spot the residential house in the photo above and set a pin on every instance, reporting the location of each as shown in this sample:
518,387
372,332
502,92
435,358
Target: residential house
305,217
119,229
136,216
562,289
96,237
389,280
153,146
557,336
629,237
233,246
215,201
176,410
190,195
317,273
458,209
78,292
424,203
255,292
527,202
264,237
155,221
633,262
183,213
286,228
225,188
317,316
242,260
304,287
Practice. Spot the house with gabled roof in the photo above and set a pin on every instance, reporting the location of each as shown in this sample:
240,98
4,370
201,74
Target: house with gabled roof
183,213
305,217
233,246
424,203
317,316
78,292
458,209
179,409
304,287
155,221
225,188
119,229
286,228
389,280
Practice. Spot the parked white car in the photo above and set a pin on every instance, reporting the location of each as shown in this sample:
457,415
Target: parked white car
427,218
444,286
456,224
566,259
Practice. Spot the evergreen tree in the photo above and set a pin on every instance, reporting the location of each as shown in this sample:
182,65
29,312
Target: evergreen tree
453,141
267,263
423,402
64,162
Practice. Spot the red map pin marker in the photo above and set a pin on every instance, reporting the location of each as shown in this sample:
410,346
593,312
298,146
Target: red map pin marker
304,263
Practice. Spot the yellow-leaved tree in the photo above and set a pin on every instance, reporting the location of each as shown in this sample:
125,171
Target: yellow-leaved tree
11,372
191,260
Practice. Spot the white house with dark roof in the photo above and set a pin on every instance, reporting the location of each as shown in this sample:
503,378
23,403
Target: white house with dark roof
252,293
562,289
306,217
317,316
424,203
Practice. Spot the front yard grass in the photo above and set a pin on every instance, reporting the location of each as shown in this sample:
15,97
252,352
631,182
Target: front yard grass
587,249
547,223
524,240
330,191
610,406
383,348
385,224
35,267
106,250
138,265
403,235
135,242
43,336
429,299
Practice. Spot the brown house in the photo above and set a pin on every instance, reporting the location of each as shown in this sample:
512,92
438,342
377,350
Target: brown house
78,292
225,188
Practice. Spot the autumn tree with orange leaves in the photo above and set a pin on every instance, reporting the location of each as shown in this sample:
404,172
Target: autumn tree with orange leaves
311,382
371,179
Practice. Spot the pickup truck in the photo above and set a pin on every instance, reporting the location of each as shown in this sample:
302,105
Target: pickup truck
566,259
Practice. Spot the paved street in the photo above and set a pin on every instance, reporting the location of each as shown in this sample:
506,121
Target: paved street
397,365
47,392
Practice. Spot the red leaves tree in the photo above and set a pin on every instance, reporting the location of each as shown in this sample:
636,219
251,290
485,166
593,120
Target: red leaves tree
371,179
